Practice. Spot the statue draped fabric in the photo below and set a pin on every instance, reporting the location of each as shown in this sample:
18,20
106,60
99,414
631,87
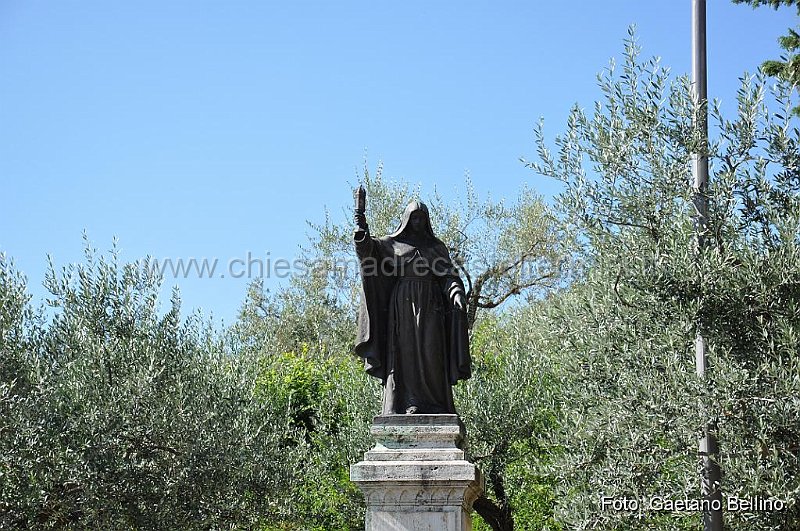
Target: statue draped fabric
411,333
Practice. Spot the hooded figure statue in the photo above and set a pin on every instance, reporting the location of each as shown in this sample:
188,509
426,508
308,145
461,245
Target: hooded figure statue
412,323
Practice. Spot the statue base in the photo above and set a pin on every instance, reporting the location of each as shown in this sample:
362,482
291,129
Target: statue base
417,477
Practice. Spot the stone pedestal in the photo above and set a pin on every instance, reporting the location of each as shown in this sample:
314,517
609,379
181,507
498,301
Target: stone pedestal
416,478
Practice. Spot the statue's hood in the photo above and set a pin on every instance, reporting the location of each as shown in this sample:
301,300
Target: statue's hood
414,206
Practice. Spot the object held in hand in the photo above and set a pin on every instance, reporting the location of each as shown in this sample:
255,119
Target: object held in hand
360,196
361,199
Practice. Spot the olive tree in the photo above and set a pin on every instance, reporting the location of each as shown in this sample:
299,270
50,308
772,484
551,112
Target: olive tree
118,414
633,406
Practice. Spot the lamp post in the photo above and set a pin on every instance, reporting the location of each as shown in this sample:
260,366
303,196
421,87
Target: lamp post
708,448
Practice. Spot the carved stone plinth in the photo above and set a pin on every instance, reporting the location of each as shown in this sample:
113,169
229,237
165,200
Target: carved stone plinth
417,478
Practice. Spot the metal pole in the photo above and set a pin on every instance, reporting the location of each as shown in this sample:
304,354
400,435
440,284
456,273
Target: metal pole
710,479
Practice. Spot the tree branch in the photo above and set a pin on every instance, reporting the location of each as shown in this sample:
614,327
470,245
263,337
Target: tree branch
516,290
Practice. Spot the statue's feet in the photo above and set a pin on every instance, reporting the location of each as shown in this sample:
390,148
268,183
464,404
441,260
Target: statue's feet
411,410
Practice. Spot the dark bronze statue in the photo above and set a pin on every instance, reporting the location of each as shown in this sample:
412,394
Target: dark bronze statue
412,322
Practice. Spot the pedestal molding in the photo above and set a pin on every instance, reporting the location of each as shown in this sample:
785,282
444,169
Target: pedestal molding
416,477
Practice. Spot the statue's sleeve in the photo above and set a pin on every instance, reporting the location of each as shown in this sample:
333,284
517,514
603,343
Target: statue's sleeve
364,243
451,285
445,270
371,325
458,356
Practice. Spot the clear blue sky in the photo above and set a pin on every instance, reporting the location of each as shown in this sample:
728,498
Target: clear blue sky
210,129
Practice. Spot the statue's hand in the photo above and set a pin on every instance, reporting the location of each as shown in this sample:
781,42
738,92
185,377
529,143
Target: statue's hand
362,230
458,301
361,220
